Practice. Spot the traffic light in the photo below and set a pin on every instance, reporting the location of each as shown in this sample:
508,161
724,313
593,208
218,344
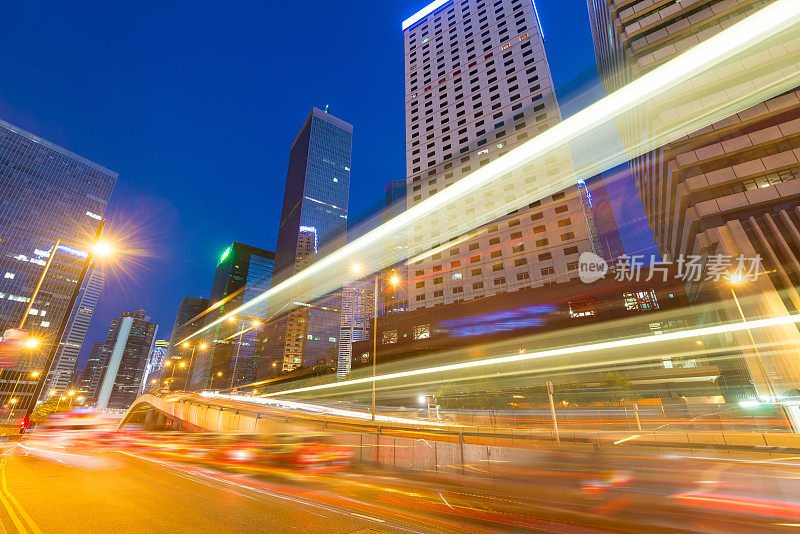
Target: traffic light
25,422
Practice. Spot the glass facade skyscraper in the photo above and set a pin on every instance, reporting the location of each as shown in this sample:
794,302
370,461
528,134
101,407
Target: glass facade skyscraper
47,194
128,346
243,273
315,203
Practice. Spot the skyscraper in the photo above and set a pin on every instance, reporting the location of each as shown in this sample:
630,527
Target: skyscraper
63,368
358,305
125,352
726,190
155,363
478,85
393,299
189,319
314,217
92,372
48,194
243,273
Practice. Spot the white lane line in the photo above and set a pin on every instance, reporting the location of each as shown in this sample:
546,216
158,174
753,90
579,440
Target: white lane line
368,517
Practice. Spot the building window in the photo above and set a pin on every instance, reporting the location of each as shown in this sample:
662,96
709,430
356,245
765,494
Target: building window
422,331
583,308
389,337
640,300
457,276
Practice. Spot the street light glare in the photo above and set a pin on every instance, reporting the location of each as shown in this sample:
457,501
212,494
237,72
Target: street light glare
395,280
203,346
102,249
357,268
186,345
35,374
32,343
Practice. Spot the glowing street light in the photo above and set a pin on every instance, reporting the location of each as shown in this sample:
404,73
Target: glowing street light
394,280
102,248
34,374
13,401
32,343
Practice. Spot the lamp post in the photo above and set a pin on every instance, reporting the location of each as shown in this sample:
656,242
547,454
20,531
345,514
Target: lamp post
99,249
189,372
394,280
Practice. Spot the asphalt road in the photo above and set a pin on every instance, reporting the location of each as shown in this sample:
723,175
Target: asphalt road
118,493
119,489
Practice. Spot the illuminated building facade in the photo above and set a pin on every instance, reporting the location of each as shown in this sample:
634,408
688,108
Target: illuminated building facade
231,356
155,363
125,353
587,313
49,194
89,384
358,305
728,189
478,85
313,222
66,360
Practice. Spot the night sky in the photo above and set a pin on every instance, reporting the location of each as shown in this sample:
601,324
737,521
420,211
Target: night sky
196,105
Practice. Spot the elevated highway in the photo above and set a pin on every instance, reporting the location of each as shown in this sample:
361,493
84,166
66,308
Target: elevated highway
408,444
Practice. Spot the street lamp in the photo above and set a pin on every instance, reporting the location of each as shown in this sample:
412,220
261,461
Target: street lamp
394,280
97,248
189,372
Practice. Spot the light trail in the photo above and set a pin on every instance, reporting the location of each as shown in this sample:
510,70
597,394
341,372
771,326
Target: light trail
316,408
630,342
745,64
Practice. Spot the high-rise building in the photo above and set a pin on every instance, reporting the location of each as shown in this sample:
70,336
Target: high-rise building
90,377
63,368
358,305
155,363
189,319
314,217
125,352
727,190
243,273
478,85
393,299
48,194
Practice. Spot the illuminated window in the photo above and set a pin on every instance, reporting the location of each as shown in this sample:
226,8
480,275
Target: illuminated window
457,276
45,324
640,300
583,308
389,337
422,331
10,275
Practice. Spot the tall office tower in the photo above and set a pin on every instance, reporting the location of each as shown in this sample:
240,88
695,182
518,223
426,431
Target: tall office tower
393,299
243,273
48,194
62,371
358,305
315,206
189,319
92,371
155,363
478,85
128,345
728,189
608,242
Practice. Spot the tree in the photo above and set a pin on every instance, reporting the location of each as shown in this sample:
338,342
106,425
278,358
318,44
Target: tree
46,409
617,389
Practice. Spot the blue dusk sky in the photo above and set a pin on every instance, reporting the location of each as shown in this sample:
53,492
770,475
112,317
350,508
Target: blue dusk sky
196,105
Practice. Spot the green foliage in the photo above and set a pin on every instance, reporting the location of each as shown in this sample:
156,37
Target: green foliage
47,408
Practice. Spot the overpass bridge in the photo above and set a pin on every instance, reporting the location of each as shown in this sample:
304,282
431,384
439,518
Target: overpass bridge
404,443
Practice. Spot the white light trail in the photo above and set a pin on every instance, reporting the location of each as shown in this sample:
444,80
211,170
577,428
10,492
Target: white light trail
745,64
581,349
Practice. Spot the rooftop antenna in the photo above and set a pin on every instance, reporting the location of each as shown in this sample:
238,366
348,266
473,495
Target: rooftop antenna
326,108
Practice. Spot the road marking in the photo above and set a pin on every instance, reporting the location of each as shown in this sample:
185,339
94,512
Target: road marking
31,523
368,517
